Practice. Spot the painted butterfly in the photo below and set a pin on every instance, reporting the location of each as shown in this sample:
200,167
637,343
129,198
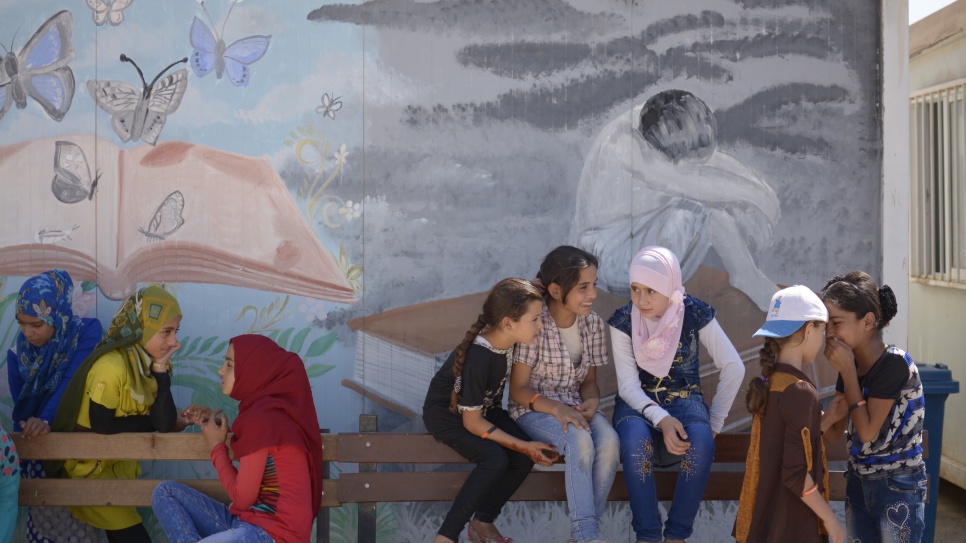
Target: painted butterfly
329,105
210,51
167,219
72,175
140,114
40,69
108,13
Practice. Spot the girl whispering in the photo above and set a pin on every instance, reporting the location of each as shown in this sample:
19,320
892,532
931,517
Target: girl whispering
464,410
124,385
276,489
660,408
785,492
553,387
879,397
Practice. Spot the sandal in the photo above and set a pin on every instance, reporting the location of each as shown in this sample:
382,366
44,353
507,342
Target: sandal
477,538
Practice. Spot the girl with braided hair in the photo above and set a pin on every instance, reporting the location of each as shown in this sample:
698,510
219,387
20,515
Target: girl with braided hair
464,410
879,399
784,496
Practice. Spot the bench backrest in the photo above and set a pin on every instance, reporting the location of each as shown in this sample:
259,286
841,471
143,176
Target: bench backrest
415,477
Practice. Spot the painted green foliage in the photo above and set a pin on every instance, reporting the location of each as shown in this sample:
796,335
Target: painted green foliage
200,357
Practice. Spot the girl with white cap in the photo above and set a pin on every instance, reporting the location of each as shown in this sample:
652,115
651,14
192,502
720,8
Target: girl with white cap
660,413
785,492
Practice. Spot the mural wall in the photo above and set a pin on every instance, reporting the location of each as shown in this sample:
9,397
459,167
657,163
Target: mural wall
348,178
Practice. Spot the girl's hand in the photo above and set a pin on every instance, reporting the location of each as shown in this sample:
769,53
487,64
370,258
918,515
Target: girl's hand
675,438
836,533
215,429
840,356
196,414
588,408
541,453
838,409
568,415
33,427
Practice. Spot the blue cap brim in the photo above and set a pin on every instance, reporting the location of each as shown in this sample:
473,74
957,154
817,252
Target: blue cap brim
778,328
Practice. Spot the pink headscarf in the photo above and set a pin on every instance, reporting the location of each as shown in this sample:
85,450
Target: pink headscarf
657,268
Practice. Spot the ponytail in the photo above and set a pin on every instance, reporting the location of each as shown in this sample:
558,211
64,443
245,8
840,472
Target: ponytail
757,397
468,339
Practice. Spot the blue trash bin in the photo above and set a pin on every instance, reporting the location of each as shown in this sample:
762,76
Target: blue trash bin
937,384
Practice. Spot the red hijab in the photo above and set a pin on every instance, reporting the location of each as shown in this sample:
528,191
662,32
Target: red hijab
276,404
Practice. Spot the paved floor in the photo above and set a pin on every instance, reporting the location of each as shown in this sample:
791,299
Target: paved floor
951,514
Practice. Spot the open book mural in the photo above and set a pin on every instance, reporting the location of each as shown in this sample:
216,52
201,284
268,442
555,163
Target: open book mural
178,212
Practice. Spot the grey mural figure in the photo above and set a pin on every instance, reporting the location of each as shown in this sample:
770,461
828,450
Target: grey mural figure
654,176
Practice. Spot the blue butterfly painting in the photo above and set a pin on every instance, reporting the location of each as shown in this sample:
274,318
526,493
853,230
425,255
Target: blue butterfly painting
210,52
40,69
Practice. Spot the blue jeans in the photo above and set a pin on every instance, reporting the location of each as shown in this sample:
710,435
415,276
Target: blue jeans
888,510
639,443
188,516
592,459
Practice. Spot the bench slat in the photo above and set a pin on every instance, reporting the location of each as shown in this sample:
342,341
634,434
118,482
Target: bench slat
134,446
539,486
424,449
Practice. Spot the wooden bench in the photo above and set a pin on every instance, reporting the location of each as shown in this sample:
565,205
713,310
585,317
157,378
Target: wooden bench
367,487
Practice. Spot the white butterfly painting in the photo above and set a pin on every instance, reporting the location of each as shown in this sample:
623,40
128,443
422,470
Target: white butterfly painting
329,105
108,12
140,114
167,219
72,174
210,52
40,69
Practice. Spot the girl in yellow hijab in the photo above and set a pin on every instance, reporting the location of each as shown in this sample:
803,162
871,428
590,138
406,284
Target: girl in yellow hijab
124,386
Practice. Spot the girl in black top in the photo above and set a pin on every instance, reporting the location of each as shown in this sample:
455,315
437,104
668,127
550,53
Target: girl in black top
464,409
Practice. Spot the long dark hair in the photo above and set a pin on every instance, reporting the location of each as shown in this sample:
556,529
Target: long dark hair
507,299
857,293
563,266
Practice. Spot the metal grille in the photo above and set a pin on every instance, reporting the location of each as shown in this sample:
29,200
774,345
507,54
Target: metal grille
938,163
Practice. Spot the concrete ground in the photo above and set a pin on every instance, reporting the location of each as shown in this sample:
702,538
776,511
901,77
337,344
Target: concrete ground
951,514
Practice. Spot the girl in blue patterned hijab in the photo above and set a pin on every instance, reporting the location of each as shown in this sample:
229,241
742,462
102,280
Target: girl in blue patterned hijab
51,345
51,342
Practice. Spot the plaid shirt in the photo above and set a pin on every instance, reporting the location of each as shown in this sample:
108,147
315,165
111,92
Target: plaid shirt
551,371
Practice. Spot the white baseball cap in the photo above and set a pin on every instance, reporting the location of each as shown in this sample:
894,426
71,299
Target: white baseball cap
790,309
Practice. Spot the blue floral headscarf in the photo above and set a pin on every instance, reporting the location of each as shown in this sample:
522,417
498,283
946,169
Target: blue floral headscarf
46,297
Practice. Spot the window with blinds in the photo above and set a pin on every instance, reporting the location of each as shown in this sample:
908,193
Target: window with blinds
938,163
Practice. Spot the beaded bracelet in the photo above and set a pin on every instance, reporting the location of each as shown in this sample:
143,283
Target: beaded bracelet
855,406
810,491
533,399
488,432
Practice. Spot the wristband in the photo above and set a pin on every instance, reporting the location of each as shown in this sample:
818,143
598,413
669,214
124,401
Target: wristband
486,433
855,406
810,491
533,399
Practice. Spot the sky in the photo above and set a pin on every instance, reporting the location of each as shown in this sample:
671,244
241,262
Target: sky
919,9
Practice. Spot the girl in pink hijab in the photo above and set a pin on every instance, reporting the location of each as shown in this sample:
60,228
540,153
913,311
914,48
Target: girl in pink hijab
660,413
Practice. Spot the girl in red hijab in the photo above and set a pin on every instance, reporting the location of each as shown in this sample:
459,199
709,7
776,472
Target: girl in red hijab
276,489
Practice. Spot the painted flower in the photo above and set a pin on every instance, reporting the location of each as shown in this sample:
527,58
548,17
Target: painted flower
84,303
350,210
341,154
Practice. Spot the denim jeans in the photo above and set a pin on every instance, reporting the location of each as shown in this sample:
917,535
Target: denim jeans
639,442
497,475
188,516
592,459
887,510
